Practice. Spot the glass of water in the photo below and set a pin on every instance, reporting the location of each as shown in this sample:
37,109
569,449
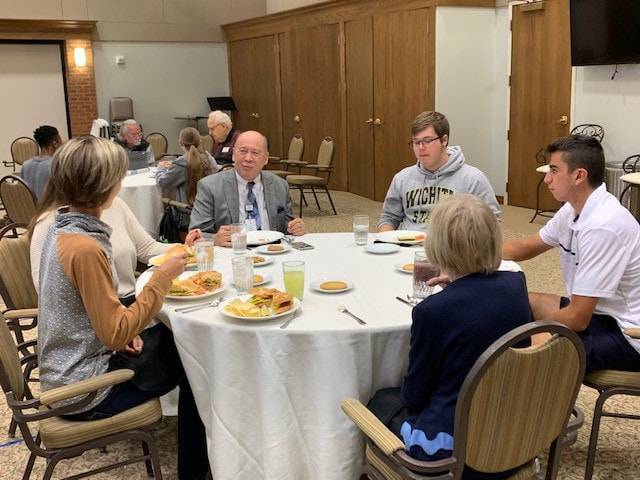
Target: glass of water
361,229
239,238
242,269
204,255
423,271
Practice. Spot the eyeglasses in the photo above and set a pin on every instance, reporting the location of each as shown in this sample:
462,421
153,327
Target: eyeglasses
246,151
423,142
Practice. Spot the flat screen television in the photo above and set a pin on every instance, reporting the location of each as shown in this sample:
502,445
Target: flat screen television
605,32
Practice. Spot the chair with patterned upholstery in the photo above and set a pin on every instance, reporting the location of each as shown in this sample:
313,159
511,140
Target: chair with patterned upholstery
59,438
20,203
294,158
513,404
323,165
22,149
609,383
158,143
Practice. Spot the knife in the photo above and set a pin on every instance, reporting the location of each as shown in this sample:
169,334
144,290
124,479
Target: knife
405,301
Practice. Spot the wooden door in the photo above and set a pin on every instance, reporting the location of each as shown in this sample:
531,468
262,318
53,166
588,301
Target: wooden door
359,80
311,102
403,45
254,71
540,94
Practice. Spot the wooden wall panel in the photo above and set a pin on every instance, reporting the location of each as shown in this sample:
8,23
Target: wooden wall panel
403,46
310,76
359,78
254,69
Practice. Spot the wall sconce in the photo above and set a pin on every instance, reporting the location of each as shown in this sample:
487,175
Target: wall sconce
80,57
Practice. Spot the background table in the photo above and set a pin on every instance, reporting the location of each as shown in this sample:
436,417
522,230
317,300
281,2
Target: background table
270,398
144,198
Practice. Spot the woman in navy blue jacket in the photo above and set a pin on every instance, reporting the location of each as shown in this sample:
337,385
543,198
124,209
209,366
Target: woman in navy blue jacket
452,328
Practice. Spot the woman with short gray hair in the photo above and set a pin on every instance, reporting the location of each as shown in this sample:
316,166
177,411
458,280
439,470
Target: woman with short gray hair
452,328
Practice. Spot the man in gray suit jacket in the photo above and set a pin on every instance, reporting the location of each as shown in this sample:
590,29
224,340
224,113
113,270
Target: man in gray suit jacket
245,194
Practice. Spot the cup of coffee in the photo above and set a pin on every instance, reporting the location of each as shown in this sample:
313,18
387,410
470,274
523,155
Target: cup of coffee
423,271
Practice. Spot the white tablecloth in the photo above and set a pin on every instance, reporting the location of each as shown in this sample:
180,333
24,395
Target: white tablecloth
270,398
144,198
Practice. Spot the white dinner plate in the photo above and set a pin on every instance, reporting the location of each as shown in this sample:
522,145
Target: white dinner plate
296,306
316,284
221,288
382,248
265,249
394,236
400,267
155,261
261,237
267,261
266,278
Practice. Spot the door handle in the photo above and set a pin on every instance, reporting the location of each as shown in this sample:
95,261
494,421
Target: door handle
563,120
377,122
254,115
297,119
368,121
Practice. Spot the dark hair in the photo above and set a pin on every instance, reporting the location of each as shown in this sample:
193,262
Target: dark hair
45,135
430,119
581,151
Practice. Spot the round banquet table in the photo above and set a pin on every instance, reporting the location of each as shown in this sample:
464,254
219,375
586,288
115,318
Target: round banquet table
270,398
144,198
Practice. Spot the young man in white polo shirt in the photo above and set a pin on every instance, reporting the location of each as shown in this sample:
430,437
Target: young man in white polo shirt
599,243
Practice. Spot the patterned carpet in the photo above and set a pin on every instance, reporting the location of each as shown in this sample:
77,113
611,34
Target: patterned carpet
619,442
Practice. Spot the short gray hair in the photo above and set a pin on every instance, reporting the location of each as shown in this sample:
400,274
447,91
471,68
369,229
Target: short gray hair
125,126
218,116
464,236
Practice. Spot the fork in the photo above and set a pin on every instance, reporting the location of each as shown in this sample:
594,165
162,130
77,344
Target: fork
193,308
343,309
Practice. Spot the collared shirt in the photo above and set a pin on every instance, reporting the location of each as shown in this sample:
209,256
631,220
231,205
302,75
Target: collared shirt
600,253
258,191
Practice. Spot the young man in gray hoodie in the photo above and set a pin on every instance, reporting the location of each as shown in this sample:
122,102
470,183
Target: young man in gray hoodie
440,170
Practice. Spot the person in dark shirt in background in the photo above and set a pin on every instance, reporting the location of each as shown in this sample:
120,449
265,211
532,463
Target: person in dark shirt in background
452,328
35,171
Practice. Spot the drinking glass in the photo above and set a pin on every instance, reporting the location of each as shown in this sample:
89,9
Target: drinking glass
204,255
423,271
239,238
293,273
361,229
242,268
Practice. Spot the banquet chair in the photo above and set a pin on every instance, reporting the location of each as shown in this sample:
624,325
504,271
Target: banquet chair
589,129
22,149
631,177
59,438
120,109
323,165
16,287
609,383
19,201
158,144
531,392
294,157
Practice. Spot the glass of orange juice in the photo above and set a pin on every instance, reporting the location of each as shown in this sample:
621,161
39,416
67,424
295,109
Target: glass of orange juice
293,274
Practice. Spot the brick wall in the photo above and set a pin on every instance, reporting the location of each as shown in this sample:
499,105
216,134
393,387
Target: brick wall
81,88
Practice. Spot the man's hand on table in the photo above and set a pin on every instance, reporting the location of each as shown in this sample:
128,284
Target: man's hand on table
223,237
296,227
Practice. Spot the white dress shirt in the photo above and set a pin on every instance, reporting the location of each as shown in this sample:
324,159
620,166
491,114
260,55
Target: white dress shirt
258,191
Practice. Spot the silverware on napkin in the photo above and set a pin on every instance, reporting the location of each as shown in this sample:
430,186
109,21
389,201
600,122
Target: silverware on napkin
343,309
